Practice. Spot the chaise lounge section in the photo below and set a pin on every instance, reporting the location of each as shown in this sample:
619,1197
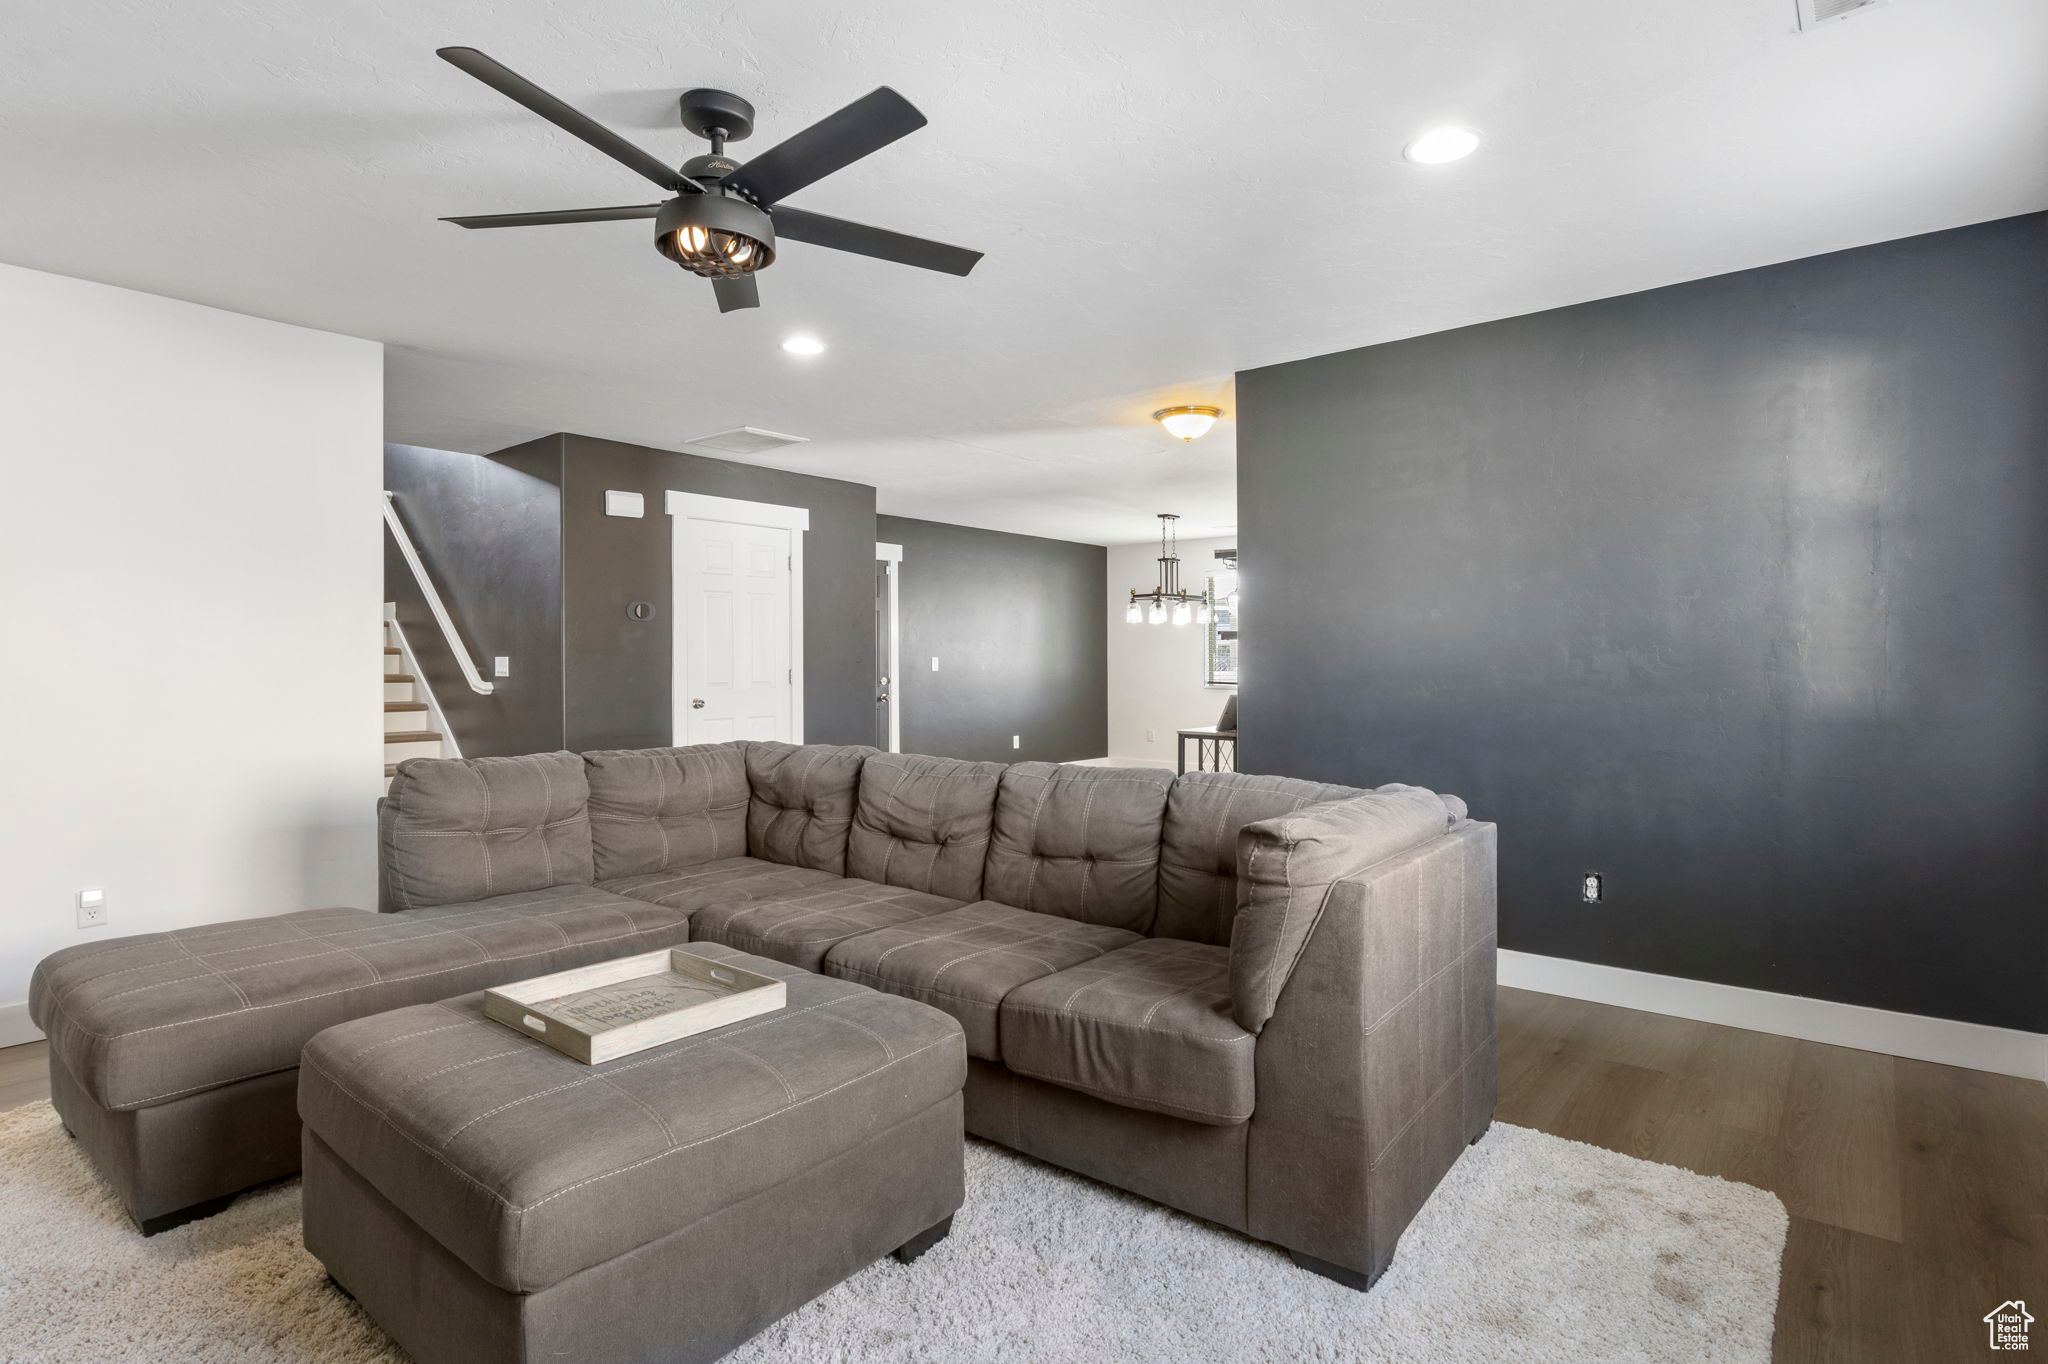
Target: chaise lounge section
1266,1002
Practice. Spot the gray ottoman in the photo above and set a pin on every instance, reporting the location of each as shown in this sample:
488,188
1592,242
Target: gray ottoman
487,1198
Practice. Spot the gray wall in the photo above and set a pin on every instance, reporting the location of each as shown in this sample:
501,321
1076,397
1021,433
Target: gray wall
618,672
489,531
1018,624
1732,591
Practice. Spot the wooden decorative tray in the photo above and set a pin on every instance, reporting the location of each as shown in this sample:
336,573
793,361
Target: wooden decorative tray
600,1013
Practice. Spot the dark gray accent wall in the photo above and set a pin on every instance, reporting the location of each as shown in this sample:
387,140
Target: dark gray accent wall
489,531
1732,591
618,672
1019,625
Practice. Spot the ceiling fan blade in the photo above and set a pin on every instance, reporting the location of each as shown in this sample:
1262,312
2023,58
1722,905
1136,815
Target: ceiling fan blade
868,124
879,242
736,291
567,215
574,122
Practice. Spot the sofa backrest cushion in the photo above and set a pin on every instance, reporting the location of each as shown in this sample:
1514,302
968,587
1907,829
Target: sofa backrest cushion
922,823
454,829
1079,842
656,808
801,802
1286,867
1198,847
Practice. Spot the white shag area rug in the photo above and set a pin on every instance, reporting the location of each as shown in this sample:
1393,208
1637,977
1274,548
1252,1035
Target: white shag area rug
1534,1249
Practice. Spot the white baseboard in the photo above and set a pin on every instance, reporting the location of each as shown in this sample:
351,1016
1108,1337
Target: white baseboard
15,1028
1974,1046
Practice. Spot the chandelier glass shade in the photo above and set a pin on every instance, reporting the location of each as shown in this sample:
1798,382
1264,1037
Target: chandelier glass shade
1167,600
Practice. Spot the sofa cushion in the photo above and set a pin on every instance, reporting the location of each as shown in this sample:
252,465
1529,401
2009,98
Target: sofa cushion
1081,842
530,1166
966,960
800,928
728,880
144,1019
923,823
653,809
1286,868
1198,847
802,802
455,829
1146,1026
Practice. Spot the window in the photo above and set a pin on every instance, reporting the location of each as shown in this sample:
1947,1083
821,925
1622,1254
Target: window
1220,657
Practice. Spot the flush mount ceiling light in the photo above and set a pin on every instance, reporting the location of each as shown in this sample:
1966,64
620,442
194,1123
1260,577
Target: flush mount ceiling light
1187,421
804,345
1166,600
1439,145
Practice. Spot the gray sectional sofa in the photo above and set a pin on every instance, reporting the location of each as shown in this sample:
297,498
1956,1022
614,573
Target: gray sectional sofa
1264,1001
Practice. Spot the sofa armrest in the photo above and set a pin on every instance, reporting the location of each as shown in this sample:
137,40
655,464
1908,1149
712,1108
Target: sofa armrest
1287,866
1378,1065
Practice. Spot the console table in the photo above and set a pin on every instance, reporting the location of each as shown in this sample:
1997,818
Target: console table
1215,749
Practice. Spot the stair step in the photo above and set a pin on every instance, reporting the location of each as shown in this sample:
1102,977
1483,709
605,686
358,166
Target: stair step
411,736
400,677
390,769
390,649
404,705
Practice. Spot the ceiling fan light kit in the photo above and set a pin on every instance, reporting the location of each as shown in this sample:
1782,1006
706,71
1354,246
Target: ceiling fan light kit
1188,421
726,216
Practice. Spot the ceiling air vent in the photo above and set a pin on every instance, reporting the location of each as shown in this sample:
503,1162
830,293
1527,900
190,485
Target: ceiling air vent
745,440
1812,12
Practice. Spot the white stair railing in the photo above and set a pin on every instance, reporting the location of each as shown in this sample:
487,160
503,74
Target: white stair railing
475,679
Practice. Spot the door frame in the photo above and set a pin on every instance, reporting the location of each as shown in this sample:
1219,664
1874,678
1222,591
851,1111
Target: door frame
685,507
892,555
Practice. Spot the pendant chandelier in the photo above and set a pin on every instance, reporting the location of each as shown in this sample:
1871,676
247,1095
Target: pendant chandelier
1167,601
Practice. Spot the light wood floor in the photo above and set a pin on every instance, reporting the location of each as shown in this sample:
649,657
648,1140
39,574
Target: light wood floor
1918,1193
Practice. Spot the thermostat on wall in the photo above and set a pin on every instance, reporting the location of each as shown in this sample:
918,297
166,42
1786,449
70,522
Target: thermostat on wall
617,503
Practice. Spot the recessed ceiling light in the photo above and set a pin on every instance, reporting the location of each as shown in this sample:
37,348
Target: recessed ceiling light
1439,145
804,345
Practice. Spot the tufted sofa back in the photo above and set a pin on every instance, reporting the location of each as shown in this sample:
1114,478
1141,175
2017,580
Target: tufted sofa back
802,800
923,823
1080,842
468,829
656,808
1198,871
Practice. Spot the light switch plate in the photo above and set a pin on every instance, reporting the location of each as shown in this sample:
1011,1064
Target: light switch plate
935,663
501,666
617,503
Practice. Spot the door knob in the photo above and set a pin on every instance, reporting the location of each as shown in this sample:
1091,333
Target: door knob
696,703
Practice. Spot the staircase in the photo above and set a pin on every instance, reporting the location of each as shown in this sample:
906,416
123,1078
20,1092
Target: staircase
405,718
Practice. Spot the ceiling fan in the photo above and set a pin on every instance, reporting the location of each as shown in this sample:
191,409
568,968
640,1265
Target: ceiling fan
727,217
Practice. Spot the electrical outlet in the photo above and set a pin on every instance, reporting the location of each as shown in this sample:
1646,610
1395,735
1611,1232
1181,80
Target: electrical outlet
1590,887
92,908
1016,741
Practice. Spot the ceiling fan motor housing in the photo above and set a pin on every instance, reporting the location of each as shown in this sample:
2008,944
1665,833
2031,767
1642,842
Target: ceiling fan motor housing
715,235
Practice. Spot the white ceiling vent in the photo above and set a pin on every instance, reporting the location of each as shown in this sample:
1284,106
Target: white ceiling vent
745,440
1812,12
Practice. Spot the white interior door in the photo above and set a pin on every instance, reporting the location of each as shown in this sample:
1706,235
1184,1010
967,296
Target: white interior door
735,678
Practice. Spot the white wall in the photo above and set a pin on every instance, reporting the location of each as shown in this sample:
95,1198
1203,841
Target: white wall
191,576
1155,671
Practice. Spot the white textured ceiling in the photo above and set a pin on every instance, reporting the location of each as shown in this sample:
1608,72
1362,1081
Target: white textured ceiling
1167,190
